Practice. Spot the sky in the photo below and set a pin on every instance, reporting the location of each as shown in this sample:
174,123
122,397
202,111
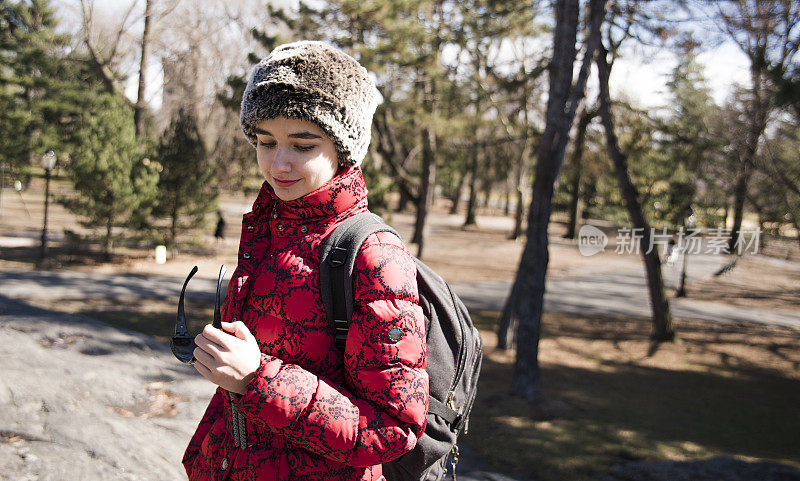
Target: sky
640,76
643,77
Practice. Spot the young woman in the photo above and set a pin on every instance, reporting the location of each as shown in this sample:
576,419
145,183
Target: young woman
289,405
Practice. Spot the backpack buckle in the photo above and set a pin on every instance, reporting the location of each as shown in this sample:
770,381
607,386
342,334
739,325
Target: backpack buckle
337,257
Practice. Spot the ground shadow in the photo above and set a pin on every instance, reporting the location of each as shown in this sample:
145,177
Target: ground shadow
725,390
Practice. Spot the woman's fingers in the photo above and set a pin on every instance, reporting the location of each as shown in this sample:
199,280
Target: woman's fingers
238,329
205,358
227,357
208,345
216,336
203,370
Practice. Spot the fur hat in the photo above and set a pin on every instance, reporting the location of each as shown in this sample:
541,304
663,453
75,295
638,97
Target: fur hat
316,82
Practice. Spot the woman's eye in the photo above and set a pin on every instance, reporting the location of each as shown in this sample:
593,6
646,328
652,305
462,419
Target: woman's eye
266,143
304,148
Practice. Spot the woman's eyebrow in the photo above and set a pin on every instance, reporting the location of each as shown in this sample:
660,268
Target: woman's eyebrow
297,135
304,135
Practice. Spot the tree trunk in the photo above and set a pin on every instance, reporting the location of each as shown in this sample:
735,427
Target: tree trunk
527,296
427,189
725,215
575,181
173,233
393,152
402,202
739,194
428,184
519,215
758,122
108,242
469,218
141,105
663,328
487,193
430,103
507,328
519,178
797,229
457,195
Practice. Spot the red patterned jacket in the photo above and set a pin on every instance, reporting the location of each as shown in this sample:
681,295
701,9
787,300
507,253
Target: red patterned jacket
311,412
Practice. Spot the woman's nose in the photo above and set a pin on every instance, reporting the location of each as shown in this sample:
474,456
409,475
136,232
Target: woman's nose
282,161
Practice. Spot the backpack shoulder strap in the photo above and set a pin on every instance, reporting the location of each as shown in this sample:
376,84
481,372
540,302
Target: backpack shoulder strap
336,269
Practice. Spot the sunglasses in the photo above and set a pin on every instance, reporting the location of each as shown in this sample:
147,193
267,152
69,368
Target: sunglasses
182,343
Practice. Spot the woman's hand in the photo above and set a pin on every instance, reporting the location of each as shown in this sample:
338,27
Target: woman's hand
229,357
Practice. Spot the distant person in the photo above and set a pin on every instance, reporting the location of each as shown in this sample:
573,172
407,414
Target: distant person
289,405
219,232
671,254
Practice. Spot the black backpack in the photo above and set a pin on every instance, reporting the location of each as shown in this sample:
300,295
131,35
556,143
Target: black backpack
453,344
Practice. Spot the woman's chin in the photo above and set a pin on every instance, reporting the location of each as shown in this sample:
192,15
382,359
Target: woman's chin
287,192
287,195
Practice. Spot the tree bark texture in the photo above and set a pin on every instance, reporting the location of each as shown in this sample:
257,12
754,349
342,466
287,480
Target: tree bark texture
663,327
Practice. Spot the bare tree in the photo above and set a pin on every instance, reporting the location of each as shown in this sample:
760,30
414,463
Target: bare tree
527,295
141,105
105,46
763,29
106,52
663,326
575,179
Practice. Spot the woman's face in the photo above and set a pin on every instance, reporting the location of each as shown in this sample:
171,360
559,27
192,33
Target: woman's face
295,156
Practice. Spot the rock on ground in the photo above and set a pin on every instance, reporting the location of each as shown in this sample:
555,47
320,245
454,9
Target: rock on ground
83,400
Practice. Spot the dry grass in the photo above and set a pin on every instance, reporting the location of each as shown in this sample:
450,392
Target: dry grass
608,393
754,281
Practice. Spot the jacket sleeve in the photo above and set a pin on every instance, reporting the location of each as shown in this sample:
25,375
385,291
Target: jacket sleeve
213,412
383,410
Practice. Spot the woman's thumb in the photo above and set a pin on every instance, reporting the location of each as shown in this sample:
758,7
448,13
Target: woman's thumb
241,331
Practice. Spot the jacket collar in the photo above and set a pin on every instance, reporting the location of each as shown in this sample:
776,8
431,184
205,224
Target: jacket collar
344,192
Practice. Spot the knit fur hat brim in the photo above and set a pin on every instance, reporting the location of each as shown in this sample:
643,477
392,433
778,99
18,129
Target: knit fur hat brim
316,82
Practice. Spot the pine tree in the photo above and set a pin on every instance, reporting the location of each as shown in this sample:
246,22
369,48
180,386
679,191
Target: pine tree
34,83
689,141
187,183
112,179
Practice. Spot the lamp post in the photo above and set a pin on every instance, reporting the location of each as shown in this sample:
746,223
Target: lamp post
689,231
48,162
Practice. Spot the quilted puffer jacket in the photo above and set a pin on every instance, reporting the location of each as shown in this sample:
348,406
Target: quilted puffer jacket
313,412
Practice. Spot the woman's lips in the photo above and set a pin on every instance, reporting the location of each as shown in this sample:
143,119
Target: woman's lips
285,183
